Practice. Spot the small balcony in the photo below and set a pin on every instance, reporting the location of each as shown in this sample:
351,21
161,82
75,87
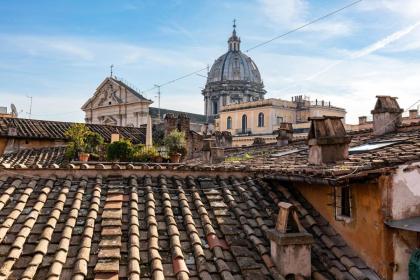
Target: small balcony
241,131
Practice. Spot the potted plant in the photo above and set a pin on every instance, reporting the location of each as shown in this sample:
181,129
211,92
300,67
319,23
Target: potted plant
77,146
93,145
176,145
121,150
83,142
144,153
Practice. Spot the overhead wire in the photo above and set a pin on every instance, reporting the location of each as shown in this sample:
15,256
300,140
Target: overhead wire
250,49
305,25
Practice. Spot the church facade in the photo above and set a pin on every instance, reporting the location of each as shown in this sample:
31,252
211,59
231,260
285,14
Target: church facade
234,78
115,103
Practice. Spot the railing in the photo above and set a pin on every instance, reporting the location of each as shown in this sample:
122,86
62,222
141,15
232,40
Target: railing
241,131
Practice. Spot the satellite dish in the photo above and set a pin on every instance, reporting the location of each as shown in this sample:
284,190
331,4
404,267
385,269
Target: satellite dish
14,110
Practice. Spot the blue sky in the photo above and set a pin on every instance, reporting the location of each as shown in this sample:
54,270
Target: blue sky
60,51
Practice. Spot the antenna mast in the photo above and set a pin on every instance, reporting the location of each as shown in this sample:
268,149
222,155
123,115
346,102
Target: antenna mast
30,107
158,96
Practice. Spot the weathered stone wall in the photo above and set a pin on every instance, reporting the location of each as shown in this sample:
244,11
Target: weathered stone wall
405,203
8,145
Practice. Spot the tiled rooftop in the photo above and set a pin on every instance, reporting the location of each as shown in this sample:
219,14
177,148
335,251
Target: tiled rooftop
281,160
154,228
37,156
41,129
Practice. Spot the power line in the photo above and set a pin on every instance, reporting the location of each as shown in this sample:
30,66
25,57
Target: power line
305,25
252,48
174,80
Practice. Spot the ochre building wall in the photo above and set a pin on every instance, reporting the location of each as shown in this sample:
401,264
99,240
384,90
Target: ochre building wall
365,232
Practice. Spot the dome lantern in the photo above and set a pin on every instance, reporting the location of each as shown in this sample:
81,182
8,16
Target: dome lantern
234,41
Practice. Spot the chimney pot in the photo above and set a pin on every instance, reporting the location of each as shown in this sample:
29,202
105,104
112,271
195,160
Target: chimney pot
387,115
290,244
413,114
285,134
362,119
115,137
327,140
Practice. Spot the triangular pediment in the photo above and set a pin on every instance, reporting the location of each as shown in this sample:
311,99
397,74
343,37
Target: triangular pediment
109,93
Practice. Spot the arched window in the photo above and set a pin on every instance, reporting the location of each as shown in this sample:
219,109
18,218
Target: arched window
229,123
244,123
260,120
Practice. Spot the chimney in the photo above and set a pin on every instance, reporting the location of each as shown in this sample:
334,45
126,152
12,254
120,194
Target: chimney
362,120
184,123
285,134
290,243
115,137
223,139
170,123
208,143
413,114
327,140
387,115
149,134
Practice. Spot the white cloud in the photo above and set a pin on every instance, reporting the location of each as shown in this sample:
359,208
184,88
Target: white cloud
409,9
284,12
294,13
386,41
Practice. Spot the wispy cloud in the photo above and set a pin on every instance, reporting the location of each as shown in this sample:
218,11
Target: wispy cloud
293,13
369,49
385,41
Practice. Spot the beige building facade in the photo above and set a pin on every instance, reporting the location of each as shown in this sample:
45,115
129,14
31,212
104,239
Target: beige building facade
262,117
115,103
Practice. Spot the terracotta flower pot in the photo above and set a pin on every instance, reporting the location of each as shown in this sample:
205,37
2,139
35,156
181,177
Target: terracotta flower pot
83,156
158,159
175,158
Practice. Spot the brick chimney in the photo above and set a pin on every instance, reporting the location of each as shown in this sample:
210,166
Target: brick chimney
170,123
183,123
327,140
387,115
223,139
290,243
362,119
285,134
413,114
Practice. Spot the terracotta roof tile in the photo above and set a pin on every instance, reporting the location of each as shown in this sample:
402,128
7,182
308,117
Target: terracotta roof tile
155,228
42,129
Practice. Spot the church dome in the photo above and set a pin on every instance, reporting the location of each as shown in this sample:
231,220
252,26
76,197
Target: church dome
234,65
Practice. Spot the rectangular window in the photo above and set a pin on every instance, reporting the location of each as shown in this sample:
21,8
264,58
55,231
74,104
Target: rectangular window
279,120
343,205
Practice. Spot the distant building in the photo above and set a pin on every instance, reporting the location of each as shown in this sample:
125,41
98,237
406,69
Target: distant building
234,78
116,103
5,114
262,117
